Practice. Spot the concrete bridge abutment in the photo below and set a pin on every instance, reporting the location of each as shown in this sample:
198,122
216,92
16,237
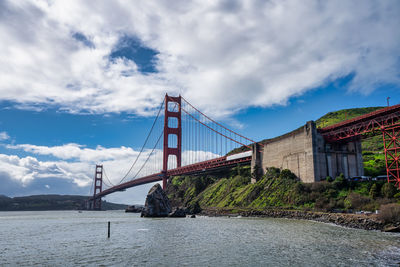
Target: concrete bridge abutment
305,152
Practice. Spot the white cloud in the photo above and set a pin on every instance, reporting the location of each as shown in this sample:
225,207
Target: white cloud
26,169
4,136
78,152
77,163
222,55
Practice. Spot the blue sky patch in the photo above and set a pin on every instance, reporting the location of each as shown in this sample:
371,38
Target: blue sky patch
131,48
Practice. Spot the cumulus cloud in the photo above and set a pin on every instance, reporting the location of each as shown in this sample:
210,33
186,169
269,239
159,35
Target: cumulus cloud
78,152
4,136
76,163
222,55
26,169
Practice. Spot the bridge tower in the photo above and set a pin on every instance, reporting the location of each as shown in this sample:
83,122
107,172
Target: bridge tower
171,112
98,184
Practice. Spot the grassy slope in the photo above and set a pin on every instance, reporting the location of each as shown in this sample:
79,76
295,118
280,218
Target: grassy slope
278,189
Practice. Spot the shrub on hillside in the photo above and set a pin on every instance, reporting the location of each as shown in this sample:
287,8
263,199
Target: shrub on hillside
272,172
287,174
340,182
373,192
388,190
299,188
320,186
356,201
239,181
390,213
322,203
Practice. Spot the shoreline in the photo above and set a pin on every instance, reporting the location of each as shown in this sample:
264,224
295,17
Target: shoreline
357,221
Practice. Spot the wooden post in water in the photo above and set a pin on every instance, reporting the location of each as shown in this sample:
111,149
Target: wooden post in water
108,229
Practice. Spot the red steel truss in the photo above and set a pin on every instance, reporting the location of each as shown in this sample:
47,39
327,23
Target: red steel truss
391,143
386,120
370,122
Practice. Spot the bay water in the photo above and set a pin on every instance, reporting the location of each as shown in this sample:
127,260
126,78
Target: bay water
72,238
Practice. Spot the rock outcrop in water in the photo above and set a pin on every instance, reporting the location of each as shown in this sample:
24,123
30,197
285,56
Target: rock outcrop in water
134,209
157,203
178,213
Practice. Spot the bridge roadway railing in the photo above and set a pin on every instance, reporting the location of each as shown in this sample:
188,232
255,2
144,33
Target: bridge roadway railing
197,168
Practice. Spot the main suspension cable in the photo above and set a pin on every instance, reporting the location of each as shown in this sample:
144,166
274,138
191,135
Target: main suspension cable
105,174
148,157
145,142
215,121
224,135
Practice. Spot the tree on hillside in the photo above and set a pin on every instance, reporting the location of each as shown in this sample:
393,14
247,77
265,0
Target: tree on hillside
373,192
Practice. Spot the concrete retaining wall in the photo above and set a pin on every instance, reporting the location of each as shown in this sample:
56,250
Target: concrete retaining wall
305,152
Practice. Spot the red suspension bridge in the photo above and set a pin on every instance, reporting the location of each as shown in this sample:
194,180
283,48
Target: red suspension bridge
186,142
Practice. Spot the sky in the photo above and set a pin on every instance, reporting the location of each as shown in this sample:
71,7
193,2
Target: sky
81,81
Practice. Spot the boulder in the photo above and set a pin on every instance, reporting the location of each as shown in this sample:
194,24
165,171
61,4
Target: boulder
157,203
134,209
392,228
177,212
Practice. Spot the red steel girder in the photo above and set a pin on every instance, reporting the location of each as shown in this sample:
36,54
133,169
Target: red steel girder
370,122
391,141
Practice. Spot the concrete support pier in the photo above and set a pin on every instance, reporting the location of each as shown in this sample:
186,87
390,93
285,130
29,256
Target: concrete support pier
305,152
256,163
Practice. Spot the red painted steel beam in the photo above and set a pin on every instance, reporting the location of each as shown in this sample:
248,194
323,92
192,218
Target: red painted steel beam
370,122
391,142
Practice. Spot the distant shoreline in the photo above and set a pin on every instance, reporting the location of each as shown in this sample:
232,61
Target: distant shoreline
51,202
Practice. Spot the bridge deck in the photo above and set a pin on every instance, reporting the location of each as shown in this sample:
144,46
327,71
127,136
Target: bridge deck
197,168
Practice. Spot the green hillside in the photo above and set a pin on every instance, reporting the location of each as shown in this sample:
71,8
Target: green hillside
277,189
341,115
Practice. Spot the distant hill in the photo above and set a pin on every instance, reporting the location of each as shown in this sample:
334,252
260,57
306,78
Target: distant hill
50,202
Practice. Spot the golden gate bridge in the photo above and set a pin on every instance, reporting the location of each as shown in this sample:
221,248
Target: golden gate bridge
185,141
